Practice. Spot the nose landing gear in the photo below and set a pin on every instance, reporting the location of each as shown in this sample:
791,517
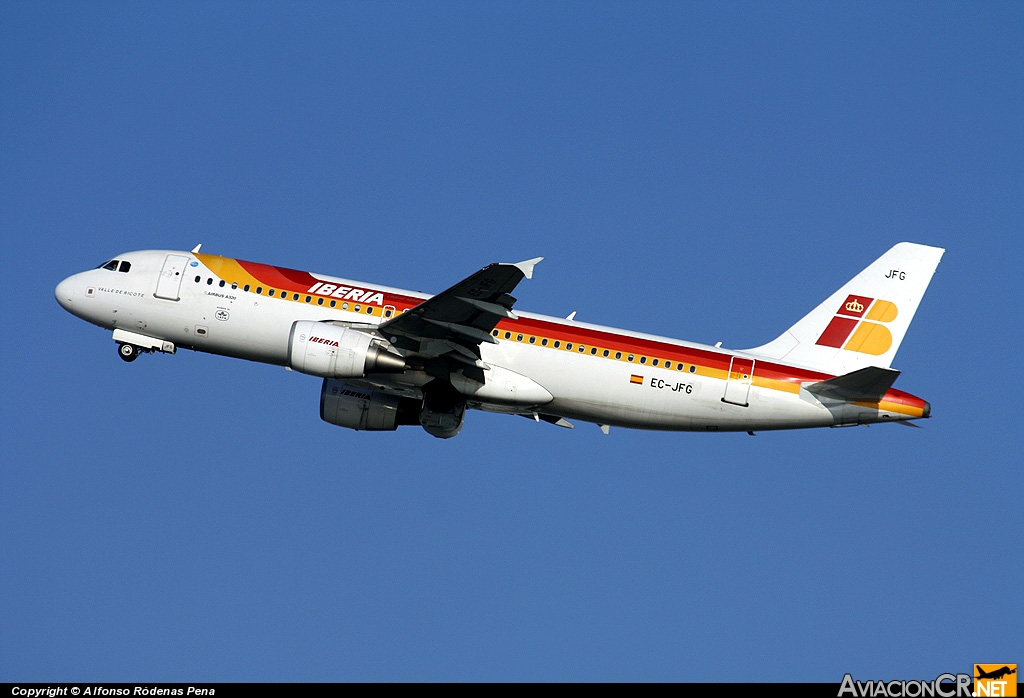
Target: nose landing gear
131,344
128,352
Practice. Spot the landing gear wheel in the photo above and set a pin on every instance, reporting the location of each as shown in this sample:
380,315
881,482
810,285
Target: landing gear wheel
128,352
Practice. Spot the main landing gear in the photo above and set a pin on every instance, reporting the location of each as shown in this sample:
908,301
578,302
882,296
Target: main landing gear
128,352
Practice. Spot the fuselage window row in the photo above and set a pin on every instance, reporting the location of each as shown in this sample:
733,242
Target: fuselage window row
126,266
581,348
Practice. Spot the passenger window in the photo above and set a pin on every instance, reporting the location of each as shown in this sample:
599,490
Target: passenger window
507,335
197,279
605,353
618,355
389,313
270,292
308,299
519,338
544,342
295,296
334,303
643,359
358,308
319,301
557,344
533,340
259,290
125,267
234,285
344,306
111,265
209,282
221,284
582,348
654,363
692,368
369,310
494,333
630,359
246,289
568,346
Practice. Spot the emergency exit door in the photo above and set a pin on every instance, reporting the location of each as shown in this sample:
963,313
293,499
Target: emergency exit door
737,386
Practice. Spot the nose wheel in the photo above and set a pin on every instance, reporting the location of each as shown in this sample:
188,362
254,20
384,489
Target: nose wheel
128,352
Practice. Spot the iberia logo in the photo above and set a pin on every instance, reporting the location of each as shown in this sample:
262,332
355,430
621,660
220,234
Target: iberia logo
995,680
858,326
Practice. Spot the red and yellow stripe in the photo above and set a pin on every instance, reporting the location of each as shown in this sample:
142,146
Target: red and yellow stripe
600,343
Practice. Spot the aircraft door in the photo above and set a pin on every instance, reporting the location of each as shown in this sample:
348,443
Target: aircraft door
169,283
737,384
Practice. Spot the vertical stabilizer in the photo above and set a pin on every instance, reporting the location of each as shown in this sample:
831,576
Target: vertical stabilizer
863,323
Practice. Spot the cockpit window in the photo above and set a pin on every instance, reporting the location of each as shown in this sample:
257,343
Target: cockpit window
111,265
125,267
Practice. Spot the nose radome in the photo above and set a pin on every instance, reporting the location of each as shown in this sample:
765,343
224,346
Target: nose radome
65,293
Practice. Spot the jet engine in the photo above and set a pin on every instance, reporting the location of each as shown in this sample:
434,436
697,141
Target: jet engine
365,410
329,351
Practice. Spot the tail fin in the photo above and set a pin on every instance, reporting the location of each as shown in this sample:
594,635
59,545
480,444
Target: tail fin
863,323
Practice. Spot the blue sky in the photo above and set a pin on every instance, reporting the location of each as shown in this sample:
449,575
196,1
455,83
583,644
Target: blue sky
703,171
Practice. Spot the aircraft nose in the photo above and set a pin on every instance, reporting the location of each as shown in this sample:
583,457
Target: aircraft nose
65,293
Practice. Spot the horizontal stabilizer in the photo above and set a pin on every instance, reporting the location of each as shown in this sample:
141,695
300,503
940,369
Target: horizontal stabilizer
867,384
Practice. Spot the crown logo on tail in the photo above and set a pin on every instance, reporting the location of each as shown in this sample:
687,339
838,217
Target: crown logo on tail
855,306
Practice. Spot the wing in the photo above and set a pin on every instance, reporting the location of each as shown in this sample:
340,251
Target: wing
455,322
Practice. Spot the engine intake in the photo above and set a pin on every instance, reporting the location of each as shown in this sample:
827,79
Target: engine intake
326,350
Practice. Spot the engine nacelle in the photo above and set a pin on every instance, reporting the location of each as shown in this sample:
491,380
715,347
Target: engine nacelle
326,350
365,410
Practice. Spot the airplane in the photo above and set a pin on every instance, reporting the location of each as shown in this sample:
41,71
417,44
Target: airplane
995,674
390,357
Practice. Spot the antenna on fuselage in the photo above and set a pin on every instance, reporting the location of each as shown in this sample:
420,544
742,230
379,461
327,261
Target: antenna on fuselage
196,248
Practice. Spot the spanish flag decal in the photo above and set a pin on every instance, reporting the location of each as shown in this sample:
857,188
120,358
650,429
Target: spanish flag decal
636,379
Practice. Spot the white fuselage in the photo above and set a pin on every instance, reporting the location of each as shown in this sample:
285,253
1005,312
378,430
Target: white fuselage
207,312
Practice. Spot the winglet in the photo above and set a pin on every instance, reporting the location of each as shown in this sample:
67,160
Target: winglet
527,266
195,249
